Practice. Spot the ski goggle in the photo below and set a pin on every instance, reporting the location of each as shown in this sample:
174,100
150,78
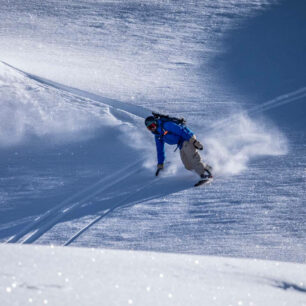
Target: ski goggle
152,126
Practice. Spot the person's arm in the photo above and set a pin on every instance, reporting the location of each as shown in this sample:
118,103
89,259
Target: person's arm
160,149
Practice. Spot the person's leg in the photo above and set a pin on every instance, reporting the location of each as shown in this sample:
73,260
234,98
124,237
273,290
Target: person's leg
191,157
184,157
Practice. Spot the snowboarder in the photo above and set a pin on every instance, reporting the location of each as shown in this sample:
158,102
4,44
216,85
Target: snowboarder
172,131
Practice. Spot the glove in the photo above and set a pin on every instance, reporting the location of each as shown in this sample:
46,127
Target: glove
197,145
159,167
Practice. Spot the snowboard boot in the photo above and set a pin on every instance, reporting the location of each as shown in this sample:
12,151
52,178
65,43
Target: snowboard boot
207,174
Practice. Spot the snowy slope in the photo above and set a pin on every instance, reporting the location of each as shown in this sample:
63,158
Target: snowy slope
43,275
122,179
77,78
77,165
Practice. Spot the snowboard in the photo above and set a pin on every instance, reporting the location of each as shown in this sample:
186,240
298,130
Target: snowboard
203,181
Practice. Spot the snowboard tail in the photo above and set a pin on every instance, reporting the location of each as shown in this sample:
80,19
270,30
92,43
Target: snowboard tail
203,181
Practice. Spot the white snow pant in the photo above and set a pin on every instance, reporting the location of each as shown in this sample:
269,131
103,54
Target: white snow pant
192,159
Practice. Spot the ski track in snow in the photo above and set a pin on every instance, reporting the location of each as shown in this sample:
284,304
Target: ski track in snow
108,211
287,98
43,223
130,108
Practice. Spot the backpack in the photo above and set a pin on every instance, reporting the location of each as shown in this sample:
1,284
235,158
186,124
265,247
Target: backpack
165,118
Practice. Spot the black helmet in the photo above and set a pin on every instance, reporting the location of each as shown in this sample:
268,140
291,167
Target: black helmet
149,120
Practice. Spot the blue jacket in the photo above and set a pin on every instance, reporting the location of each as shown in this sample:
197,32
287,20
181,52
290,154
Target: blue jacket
170,133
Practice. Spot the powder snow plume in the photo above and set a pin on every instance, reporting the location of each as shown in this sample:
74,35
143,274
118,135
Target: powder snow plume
29,108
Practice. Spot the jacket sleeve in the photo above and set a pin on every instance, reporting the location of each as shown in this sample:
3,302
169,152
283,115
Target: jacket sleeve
179,130
160,148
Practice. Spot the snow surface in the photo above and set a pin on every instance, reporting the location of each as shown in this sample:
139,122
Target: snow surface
47,275
77,78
